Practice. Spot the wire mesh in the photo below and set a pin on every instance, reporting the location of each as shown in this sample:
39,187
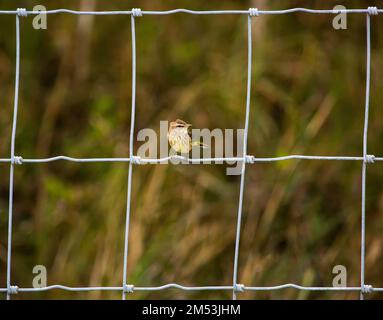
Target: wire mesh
235,287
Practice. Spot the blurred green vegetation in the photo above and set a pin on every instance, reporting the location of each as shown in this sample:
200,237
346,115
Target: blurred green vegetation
301,218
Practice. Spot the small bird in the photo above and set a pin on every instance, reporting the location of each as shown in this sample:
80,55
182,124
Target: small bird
179,137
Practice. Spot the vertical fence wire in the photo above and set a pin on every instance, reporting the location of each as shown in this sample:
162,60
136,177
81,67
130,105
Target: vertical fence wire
243,164
131,145
12,163
364,165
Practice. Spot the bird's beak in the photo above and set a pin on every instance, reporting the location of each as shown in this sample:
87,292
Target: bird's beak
188,125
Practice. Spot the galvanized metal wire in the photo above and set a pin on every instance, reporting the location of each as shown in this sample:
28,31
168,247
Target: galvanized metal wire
12,163
244,159
131,145
242,183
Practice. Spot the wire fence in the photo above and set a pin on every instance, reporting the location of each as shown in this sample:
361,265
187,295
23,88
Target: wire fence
235,287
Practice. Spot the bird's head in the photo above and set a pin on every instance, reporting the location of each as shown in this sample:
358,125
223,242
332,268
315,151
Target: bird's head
178,124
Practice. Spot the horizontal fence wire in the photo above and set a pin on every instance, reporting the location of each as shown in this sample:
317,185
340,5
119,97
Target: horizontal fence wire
237,288
195,12
136,160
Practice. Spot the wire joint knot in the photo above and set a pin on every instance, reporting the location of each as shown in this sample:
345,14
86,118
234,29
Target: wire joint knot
253,12
17,160
136,12
13,290
21,12
129,288
369,158
367,288
249,159
372,11
135,160
239,287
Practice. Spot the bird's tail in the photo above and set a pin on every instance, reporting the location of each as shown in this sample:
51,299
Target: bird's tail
199,144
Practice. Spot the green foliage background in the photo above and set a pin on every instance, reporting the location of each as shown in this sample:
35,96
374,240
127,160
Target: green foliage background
301,218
